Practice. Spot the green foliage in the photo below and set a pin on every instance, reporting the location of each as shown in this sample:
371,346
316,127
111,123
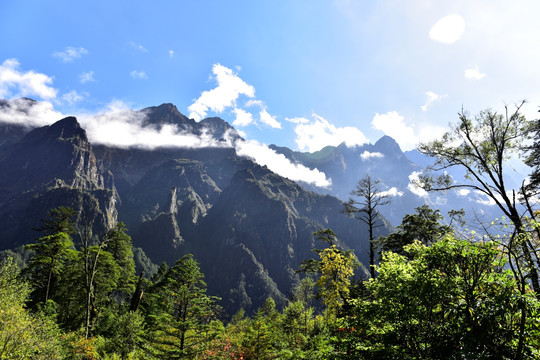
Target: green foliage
120,247
442,298
122,334
23,335
533,153
61,220
423,226
180,312
482,147
50,254
335,268
452,300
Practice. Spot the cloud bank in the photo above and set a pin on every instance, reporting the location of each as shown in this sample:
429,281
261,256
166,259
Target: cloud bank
279,164
15,83
313,135
229,88
29,113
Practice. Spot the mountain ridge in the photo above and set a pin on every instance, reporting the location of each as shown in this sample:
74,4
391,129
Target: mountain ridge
237,217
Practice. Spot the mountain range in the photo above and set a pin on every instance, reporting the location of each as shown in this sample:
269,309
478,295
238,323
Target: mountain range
250,228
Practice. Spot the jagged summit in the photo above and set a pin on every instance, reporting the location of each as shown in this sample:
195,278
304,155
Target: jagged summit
167,114
388,144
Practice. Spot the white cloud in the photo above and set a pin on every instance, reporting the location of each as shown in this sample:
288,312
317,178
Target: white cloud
137,47
392,124
279,164
297,120
70,54
391,192
253,102
431,97
72,97
316,134
29,113
243,118
171,53
138,74
229,88
463,192
448,30
413,187
14,83
483,199
87,77
269,120
474,74
119,126
366,155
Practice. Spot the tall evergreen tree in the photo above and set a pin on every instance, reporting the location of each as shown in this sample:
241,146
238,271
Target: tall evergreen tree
50,254
180,313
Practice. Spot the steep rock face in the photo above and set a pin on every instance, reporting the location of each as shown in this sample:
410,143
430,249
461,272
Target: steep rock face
266,223
51,166
168,202
56,155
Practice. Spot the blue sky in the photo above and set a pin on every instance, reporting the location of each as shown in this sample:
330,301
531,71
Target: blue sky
302,74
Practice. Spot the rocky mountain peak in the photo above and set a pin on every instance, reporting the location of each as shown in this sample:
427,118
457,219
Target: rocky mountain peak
67,128
386,144
219,127
167,114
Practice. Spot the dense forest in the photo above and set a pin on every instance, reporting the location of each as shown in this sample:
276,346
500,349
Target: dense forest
435,290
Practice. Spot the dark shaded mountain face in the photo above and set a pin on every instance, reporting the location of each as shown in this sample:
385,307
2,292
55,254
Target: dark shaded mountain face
49,167
249,227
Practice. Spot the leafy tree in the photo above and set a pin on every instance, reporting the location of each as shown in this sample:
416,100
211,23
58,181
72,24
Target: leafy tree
262,340
533,156
365,200
60,220
50,254
482,146
120,246
451,300
122,333
180,313
23,335
424,226
335,268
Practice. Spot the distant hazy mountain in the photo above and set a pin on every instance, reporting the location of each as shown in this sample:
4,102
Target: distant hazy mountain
385,161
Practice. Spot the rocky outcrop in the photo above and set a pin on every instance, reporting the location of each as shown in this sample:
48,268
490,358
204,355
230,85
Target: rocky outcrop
51,166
